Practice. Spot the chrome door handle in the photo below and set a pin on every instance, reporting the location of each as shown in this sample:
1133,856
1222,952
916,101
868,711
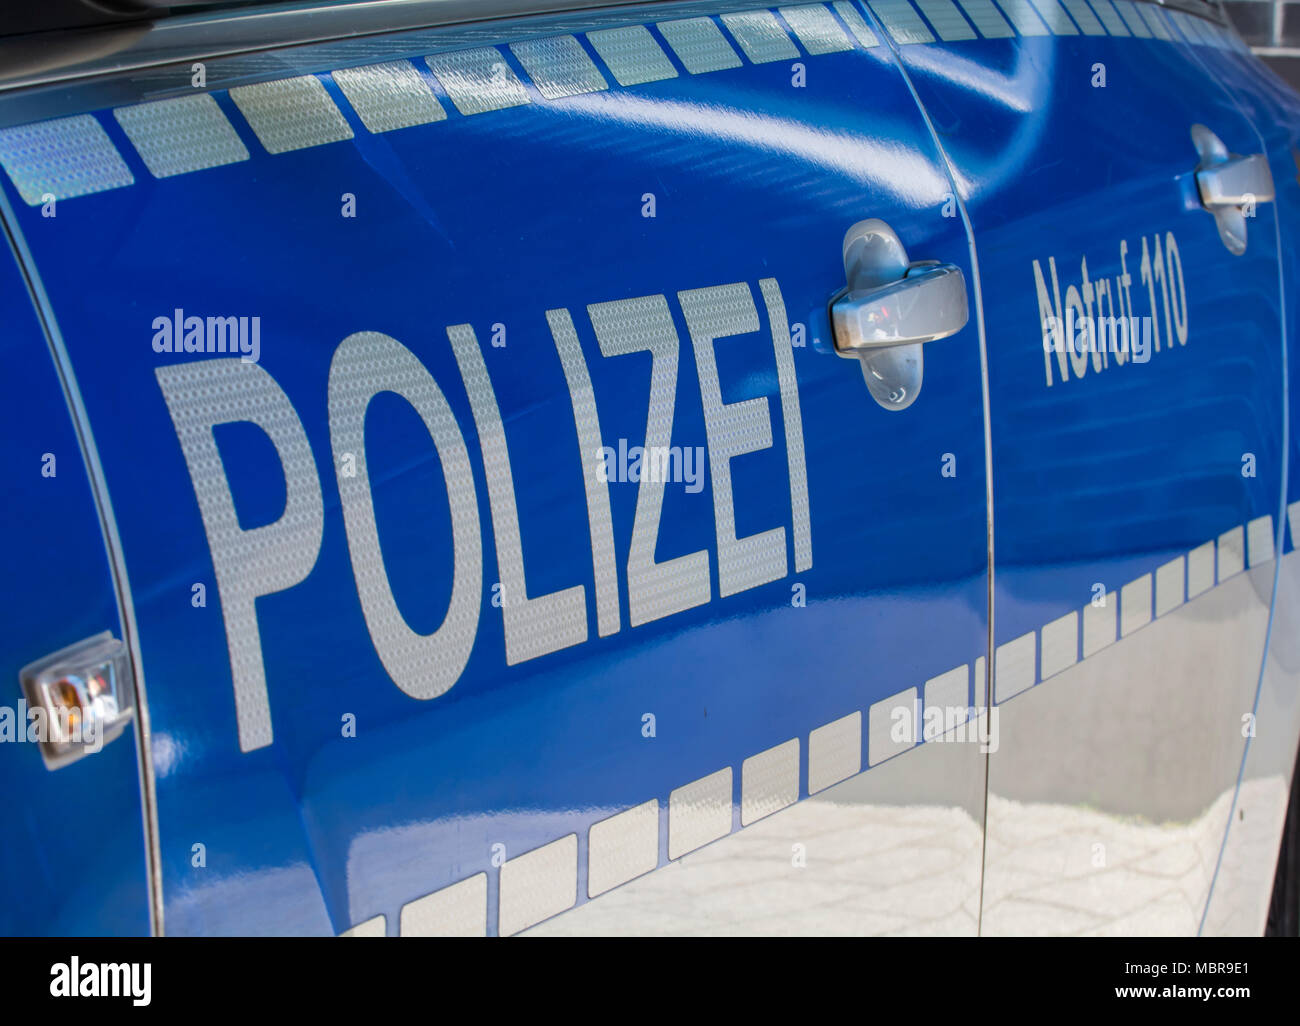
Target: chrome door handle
1230,185
929,303
1236,182
890,308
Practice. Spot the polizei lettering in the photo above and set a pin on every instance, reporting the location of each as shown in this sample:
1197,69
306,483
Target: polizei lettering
204,394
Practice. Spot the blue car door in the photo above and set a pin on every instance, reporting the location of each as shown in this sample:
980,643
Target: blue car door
501,521
1136,416
74,861
1243,884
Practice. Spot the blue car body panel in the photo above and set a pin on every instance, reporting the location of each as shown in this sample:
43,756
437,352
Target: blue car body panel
1270,756
1129,490
73,862
1105,477
494,219
566,178
1271,106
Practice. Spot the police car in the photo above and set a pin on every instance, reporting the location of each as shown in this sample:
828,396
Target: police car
595,468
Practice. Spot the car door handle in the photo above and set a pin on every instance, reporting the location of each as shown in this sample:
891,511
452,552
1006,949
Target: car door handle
1229,186
929,303
890,308
1236,182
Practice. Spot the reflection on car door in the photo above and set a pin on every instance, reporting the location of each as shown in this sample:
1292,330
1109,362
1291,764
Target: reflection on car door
534,536
1136,390
1244,882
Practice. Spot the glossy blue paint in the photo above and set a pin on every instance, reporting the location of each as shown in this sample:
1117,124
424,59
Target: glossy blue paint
1274,110
1102,478
495,219
73,860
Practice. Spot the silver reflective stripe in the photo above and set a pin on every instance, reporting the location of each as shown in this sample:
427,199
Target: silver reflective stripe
699,45
769,781
699,812
1022,16
816,28
901,21
1204,30
1100,624
1060,644
759,35
1184,31
892,726
947,702
559,66
537,885
1232,554
174,137
1135,605
1128,11
857,24
1057,20
622,847
478,80
632,55
376,926
987,18
291,114
835,752
1200,569
1170,578
1084,18
1190,26
1154,18
63,158
387,97
1259,540
946,19
456,911
1014,666
1110,17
